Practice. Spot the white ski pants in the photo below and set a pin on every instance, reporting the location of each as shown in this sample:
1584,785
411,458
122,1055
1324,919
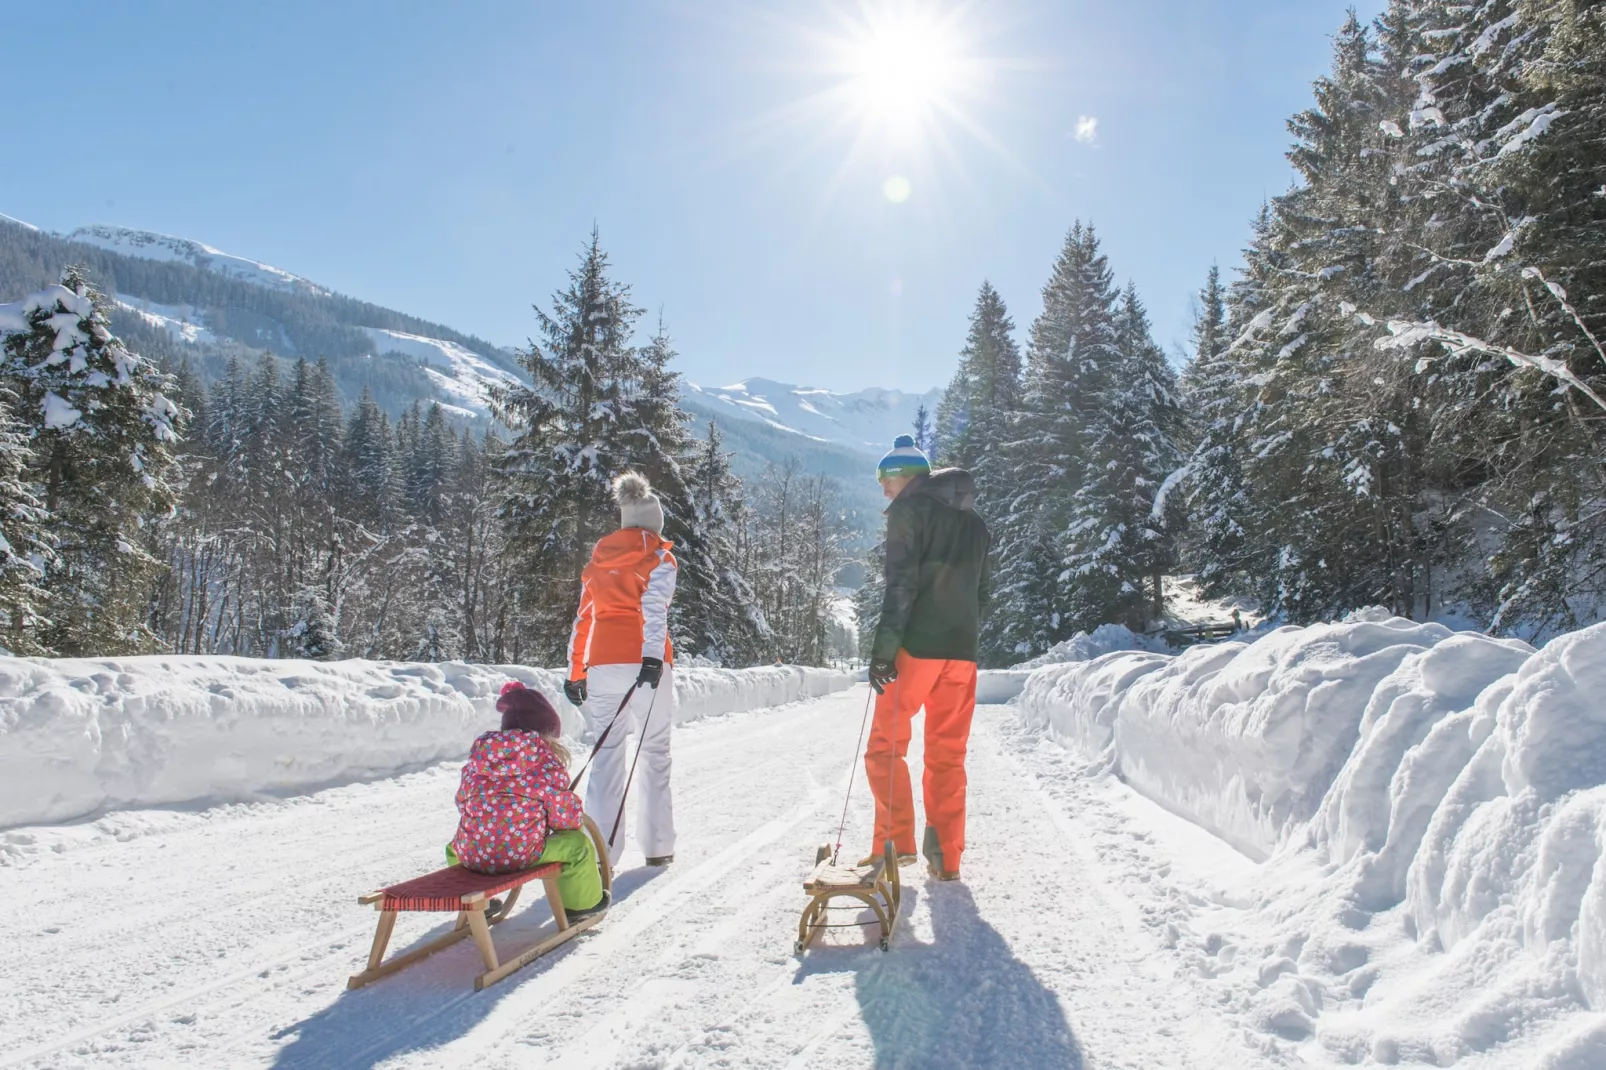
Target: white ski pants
649,717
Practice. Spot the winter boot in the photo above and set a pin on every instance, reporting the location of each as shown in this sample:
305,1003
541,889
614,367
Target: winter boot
601,905
660,860
493,910
903,860
932,848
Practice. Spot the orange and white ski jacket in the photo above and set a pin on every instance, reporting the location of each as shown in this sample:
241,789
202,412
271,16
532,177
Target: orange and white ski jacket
624,602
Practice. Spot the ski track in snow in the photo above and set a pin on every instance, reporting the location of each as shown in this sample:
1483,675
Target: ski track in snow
224,937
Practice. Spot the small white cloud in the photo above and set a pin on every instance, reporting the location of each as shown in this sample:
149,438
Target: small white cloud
1087,129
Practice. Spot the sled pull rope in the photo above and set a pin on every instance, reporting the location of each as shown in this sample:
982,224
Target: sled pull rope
892,775
640,739
852,772
604,737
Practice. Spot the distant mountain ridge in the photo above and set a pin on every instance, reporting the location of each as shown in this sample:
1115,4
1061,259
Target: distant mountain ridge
865,421
149,245
184,300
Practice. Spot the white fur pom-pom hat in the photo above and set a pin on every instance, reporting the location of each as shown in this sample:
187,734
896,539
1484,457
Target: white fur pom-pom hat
639,507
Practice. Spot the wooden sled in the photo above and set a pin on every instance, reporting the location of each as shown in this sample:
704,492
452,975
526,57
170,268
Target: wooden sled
876,885
468,893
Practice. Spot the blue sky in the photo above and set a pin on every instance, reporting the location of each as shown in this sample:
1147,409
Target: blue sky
450,160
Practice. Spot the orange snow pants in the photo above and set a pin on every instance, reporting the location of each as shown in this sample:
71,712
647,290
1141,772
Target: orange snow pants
947,689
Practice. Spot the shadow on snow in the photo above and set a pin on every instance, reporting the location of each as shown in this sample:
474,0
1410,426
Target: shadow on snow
962,1001
431,1003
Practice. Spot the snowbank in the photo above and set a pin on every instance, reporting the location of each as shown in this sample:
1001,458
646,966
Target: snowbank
995,686
80,736
1430,807
1085,646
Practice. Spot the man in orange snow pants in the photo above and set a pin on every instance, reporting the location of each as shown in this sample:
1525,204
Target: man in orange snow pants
924,652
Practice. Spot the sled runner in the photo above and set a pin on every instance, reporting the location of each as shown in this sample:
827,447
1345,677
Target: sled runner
468,894
877,885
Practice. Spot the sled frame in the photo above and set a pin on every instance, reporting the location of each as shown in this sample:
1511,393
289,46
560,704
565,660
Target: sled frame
473,924
878,886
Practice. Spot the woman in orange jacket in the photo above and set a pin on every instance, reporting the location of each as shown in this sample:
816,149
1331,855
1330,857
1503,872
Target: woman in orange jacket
620,646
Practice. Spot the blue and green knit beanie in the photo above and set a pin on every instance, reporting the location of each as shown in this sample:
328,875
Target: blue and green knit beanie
906,459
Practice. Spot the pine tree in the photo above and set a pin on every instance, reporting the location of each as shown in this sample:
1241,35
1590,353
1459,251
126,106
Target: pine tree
1116,544
717,610
1073,353
924,435
101,432
1211,482
585,421
24,545
368,462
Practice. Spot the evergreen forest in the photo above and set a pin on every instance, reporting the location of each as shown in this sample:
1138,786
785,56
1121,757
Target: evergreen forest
1398,398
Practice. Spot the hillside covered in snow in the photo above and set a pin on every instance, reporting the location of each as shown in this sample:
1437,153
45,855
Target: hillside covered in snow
148,245
187,302
865,421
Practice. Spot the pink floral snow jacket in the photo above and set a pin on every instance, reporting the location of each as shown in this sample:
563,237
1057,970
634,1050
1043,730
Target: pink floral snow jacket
513,791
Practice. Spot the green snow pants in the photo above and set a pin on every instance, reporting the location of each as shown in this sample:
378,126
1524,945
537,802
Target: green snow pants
580,883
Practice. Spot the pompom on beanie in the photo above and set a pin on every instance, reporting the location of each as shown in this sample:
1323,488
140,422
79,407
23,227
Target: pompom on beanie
639,507
527,711
906,459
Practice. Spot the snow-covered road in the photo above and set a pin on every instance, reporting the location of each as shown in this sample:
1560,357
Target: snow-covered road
223,937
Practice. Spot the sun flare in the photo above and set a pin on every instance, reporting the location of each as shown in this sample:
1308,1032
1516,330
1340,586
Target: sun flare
902,67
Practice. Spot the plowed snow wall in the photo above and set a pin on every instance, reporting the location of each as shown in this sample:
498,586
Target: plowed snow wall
1460,775
78,736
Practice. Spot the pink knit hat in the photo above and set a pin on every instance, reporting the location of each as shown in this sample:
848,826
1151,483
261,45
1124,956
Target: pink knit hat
528,711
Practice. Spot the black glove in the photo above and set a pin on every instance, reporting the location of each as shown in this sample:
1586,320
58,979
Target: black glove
882,673
652,669
575,692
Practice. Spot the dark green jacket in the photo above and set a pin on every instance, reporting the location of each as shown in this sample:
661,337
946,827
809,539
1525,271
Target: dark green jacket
936,570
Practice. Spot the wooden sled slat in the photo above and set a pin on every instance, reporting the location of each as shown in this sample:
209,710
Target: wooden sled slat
827,877
445,890
876,885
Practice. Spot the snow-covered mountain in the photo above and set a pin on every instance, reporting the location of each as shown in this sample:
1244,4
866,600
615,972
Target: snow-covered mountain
865,421
401,357
460,374
149,245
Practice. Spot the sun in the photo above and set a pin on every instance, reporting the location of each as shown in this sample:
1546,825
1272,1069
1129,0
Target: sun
902,67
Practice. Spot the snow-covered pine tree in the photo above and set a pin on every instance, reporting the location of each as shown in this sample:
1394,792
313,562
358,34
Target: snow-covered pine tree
1210,482
867,600
715,613
1503,140
314,633
1117,550
577,428
430,465
368,463
718,612
24,546
313,419
1330,495
101,431
984,399
1072,353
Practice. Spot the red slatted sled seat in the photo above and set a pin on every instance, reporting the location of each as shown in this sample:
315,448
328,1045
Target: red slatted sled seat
455,889
450,888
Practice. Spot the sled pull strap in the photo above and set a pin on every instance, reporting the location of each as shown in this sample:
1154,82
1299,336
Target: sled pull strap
575,780
852,772
624,796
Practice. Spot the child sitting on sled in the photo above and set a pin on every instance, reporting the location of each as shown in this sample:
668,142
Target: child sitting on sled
516,807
